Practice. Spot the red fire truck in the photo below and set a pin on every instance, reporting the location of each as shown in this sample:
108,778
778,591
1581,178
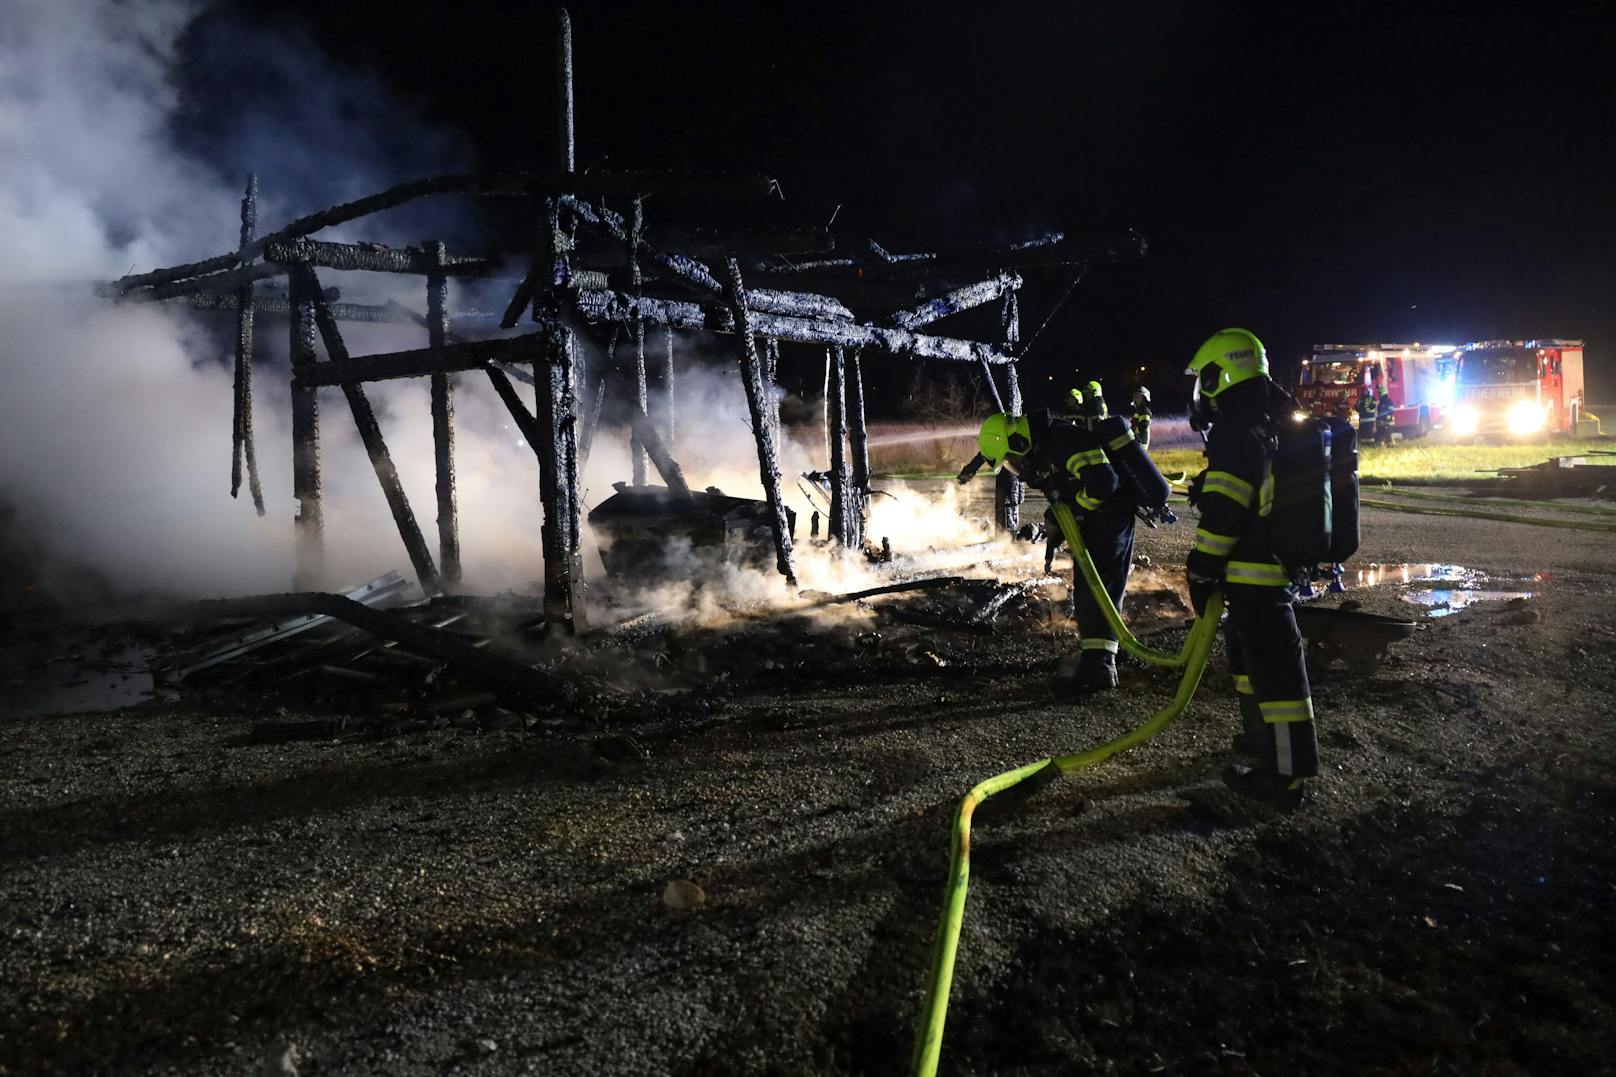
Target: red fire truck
1419,377
1518,387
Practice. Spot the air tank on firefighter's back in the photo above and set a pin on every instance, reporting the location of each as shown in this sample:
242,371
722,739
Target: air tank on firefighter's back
1343,489
1301,522
1133,464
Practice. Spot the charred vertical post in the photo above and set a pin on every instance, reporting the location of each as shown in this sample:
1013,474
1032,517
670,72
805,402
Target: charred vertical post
637,327
768,464
241,425
555,408
859,443
566,155
443,432
1009,491
771,382
670,424
841,499
309,523
370,433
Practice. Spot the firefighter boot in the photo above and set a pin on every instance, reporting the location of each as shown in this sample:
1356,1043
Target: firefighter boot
1253,737
1093,671
1269,786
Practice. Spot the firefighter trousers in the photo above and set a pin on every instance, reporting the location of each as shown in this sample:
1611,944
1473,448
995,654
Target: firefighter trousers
1108,534
1270,676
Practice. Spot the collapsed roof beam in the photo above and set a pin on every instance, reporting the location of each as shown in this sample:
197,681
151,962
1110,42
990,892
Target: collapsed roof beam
472,355
607,184
608,306
960,299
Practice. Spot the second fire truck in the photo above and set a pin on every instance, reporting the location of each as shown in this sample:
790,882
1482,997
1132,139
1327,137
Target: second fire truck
1420,378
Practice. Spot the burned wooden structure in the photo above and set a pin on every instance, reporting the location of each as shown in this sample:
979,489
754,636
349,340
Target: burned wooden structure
594,276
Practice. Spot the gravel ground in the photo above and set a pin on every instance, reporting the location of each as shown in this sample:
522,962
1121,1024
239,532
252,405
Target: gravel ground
173,900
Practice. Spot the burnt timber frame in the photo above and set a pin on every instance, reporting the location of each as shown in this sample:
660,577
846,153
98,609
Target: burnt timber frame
591,271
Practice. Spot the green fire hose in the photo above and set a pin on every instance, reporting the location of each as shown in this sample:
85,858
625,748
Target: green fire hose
1091,575
929,1033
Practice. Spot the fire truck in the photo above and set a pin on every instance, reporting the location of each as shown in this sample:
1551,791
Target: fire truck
1518,387
1420,378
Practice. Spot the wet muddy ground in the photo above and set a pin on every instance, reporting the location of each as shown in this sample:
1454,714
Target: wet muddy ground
460,900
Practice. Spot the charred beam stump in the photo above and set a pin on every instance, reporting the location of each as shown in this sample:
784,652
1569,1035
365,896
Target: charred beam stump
309,523
241,425
768,464
443,432
370,433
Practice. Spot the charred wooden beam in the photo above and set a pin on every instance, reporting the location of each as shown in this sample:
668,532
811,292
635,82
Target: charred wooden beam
370,433
593,184
443,430
859,443
1052,250
960,299
636,449
557,443
768,465
567,151
471,355
309,523
242,425
841,498
615,306
279,304
1009,491
516,681
377,259
670,426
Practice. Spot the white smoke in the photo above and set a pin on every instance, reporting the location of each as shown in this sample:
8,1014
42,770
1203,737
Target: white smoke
115,418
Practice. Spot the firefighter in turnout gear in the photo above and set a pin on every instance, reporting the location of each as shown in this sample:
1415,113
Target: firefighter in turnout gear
1234,550
1062,458
1366,416
1385,419
1140,419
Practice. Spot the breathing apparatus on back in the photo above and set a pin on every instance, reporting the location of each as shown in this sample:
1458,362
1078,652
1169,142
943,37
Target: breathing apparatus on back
1308,501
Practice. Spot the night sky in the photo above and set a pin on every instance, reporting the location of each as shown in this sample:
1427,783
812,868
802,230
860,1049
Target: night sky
1312,172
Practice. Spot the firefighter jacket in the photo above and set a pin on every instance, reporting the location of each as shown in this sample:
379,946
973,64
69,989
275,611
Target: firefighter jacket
1235,498
1366,407
1387,410
1067,463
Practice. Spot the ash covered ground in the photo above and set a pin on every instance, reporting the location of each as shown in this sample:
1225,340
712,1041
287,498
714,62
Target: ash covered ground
493,897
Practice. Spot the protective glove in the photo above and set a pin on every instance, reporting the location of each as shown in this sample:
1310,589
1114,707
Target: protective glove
1197,485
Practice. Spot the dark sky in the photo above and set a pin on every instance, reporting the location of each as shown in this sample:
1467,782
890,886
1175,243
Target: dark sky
1315,173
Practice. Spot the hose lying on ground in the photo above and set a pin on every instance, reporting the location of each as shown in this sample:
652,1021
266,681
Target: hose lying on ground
1431,510
1489,502
929,1031
1091,576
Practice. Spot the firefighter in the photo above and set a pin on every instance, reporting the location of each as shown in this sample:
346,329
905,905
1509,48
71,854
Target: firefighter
1385,419
1061,458
1140,419
1366,417
1233,550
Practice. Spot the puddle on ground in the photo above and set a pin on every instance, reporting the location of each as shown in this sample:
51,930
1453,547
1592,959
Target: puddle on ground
1458,587
1440,602
1373,574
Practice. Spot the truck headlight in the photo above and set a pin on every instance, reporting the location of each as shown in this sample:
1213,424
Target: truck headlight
1465,420
1525,417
